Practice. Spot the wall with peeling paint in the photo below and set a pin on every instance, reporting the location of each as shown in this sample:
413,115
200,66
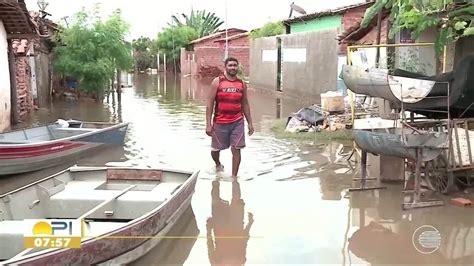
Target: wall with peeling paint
4,81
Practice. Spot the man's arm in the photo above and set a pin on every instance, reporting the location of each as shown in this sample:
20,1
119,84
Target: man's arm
211,97
246,109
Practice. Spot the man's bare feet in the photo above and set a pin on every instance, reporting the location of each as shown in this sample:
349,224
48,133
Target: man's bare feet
219,168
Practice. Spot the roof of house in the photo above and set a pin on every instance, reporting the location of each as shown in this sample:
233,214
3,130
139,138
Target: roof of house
15,18
218,35
326,13
356,33
234,37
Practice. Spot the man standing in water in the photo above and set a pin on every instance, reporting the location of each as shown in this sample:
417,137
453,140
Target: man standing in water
228,100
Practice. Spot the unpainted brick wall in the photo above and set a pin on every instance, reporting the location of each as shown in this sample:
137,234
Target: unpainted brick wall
350,18
24,95
210,59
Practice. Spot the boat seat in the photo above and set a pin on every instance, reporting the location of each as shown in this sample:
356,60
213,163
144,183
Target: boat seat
94,228
80,197
11,233
14,142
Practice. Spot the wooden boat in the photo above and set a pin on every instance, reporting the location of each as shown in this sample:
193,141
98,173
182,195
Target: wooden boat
126,212
35,148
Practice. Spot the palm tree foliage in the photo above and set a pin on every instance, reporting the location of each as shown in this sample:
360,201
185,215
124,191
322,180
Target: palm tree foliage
203,22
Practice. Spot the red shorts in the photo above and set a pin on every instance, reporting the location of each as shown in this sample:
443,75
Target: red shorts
228,135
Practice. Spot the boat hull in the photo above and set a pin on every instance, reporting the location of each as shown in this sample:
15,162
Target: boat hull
377,83
122,245
393,144
429,94
16,159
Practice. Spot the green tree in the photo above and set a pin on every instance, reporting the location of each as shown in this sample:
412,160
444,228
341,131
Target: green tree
143,50
172,39
142,44
454,21
269,29
91,50
203,22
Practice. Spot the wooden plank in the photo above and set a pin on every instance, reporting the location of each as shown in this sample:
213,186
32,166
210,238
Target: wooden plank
134,174
457,143
451,153
466,128
120,193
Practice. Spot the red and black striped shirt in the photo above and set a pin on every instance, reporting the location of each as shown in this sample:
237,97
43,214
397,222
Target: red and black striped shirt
228,108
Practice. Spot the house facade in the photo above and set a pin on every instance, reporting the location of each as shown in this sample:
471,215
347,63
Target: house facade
5,104
307,60
207,53
15,27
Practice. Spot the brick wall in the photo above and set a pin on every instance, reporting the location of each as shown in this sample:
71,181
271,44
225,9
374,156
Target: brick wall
353,17
209,59
207,43
24,95
350,18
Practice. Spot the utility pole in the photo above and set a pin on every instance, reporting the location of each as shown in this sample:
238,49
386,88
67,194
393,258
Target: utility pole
226,53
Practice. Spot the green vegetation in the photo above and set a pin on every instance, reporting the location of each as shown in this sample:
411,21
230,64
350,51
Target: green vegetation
179,33
143,51
204,23
453,21
278,128
171,39
269,29
92,49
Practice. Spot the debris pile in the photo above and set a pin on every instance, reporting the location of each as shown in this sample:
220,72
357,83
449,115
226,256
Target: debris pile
209,71
314,118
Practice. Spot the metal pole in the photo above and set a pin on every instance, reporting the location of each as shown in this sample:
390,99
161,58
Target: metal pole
444,58
392,45
158,62
164,62
226,54
379,30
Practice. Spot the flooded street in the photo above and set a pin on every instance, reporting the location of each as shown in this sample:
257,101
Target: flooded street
291,196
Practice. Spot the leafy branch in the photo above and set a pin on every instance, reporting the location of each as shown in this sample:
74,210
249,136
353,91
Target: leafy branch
452,20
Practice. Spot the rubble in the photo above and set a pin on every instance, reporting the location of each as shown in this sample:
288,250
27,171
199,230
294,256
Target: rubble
314,118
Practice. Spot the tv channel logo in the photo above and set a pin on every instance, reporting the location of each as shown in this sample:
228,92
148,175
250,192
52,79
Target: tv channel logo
52,233
426,239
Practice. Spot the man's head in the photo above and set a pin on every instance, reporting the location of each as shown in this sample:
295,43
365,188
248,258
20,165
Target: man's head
231,66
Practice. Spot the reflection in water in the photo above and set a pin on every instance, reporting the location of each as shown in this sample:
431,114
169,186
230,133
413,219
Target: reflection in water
229,243
305,181
174,250
384,234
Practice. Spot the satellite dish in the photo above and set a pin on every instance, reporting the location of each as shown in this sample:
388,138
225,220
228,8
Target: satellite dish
297,9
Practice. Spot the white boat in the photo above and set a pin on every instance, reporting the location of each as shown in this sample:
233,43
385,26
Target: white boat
125,212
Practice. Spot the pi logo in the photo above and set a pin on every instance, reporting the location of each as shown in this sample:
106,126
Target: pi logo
53,228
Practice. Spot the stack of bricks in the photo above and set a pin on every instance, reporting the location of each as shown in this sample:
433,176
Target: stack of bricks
22,73
209,71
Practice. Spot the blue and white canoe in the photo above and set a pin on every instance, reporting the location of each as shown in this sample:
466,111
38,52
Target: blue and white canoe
35,148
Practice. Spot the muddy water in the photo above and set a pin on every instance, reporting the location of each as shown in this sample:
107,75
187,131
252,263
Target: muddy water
291,197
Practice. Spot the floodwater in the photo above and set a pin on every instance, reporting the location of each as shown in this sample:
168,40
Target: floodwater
291,198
